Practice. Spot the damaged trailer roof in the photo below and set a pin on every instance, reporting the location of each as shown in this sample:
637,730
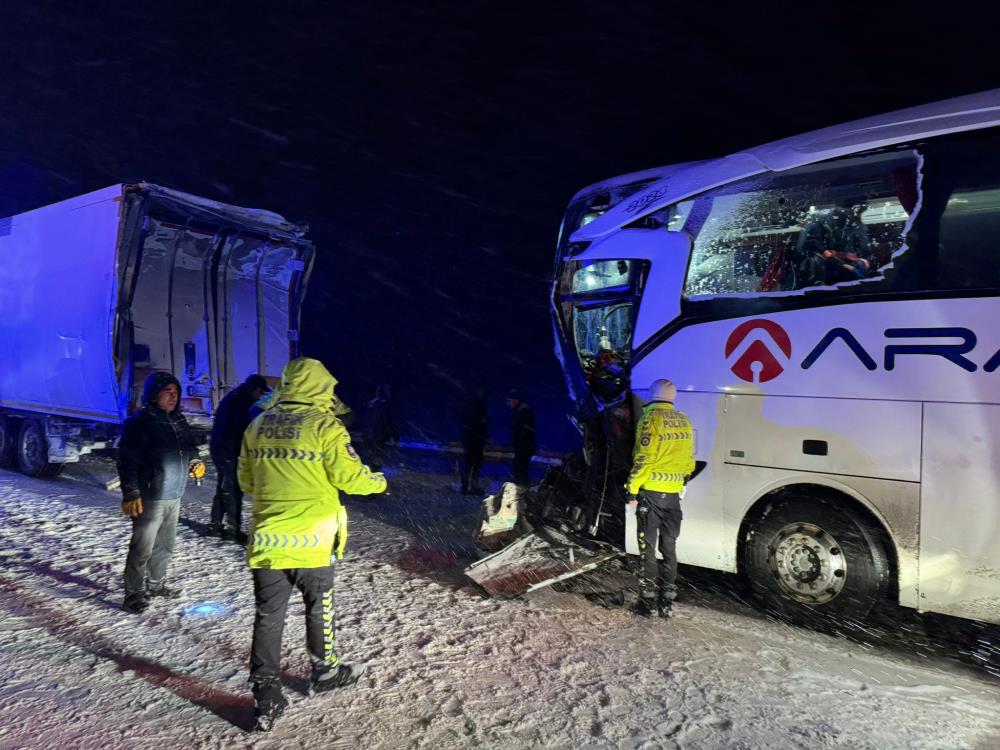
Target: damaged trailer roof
185,205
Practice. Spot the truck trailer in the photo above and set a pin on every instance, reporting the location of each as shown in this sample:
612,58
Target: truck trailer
100,290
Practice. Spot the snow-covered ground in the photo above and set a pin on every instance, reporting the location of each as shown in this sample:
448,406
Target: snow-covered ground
447,667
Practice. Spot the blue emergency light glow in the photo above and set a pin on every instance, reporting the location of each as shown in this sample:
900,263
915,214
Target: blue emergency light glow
206,609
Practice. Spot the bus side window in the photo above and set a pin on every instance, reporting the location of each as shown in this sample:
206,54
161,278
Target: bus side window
825,225
962,227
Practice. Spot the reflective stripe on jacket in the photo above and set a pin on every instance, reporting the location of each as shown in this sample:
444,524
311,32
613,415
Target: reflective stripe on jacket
295,458
664,450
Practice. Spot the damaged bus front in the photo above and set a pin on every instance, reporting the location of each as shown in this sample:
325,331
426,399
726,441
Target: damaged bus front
825,305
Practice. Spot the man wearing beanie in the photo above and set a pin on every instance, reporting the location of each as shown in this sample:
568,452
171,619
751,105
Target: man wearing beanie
662,460
156,454
231,420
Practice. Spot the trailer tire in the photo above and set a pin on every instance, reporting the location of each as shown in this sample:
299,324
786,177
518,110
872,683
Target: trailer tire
812,561
8,438
33,451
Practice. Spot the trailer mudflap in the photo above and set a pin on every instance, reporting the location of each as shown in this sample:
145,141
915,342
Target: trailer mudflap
538,559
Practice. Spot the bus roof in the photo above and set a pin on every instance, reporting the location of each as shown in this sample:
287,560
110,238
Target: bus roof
645,175
949,116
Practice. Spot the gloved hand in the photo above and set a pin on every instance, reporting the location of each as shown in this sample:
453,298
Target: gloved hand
132,508
196,470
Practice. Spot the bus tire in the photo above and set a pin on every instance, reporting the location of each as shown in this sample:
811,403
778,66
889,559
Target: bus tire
8,438
33,451
812,561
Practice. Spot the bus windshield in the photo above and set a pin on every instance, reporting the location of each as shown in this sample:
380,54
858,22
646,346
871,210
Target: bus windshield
596,300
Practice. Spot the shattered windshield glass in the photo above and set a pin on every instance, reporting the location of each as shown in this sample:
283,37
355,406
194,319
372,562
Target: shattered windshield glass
603,334
602,274
825,225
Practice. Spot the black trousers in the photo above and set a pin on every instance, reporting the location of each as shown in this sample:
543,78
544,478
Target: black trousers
521,470
228,500
472,462
658,515
272,589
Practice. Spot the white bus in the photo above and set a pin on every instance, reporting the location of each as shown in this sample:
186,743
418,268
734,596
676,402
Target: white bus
827,306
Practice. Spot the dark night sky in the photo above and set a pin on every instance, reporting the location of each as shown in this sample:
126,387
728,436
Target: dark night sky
433,147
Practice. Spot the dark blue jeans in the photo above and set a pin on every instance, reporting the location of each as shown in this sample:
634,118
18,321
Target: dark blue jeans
152,545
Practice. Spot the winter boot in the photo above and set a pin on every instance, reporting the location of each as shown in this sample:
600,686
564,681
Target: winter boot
231,534
135,603
645,607
665,603
343,676
268,704
159,589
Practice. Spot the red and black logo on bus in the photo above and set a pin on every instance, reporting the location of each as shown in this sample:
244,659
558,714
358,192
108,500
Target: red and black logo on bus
759,362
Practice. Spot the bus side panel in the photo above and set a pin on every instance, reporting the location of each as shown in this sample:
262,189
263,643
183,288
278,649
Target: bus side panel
960,511
825,435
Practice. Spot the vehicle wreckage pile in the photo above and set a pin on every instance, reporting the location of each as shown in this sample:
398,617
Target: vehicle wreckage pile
537,537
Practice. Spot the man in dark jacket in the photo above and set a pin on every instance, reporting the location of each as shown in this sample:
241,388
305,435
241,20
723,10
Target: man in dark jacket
835,246
231,421
474,432
522,436
381,426
156,454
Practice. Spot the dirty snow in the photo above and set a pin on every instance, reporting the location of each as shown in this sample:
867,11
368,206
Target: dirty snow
448,668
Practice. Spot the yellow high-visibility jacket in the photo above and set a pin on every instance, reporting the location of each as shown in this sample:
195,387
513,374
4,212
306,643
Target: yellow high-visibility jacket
663,456
294,459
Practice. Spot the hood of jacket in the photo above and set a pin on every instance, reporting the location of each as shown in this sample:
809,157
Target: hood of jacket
155,383
306,381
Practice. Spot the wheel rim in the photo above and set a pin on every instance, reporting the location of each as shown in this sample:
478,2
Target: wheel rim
808,563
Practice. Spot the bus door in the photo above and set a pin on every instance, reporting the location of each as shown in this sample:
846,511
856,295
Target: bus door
960,510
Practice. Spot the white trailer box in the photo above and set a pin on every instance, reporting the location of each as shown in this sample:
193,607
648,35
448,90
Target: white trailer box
98,291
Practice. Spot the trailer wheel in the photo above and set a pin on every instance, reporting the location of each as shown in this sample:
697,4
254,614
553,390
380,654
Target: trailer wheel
8,437
812,561
33,451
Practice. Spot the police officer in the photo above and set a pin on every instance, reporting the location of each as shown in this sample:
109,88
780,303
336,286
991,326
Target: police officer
296,457
662,460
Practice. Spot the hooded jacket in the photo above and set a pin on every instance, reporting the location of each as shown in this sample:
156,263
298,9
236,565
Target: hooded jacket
155,447
295,460
231,420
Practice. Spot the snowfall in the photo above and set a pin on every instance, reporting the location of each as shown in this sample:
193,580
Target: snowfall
447,666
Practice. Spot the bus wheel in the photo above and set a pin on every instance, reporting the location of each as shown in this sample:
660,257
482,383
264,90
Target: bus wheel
8,437
812,561
33,451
